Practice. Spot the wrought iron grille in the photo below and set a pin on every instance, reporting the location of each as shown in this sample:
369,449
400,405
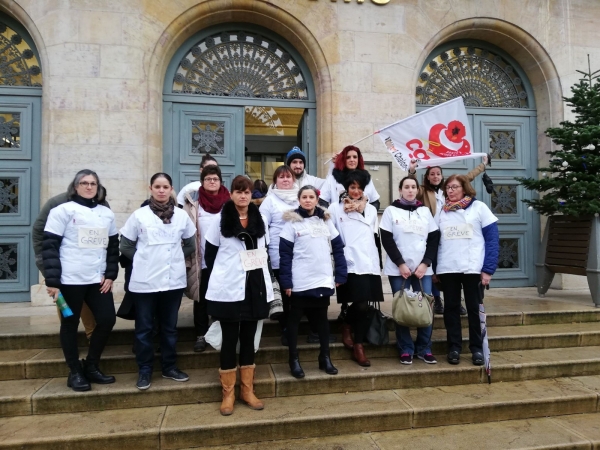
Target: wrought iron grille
18,64
8,261
508,257
502,144
479,76
504,199
240,64
208,137
10,130
9,195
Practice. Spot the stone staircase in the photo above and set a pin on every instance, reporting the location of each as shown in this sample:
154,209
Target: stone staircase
545,393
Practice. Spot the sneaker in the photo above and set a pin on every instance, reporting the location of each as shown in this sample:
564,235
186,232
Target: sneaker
428,358
463,311
143,381
200,344
454,357
478,359
438,306
176,374
313,338
405,358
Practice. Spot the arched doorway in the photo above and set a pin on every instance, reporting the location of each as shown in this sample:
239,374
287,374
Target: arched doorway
20,130
502,113
242,94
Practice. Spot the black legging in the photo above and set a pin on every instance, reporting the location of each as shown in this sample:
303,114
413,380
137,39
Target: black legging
358,318
232,331
103,309
317,318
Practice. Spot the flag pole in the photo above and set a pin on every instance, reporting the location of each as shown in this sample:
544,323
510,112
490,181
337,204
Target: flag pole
354,143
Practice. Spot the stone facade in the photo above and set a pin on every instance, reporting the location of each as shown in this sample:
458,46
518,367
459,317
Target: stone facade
104,63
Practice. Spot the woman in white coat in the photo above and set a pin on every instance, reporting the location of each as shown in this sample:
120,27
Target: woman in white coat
80,252
152,238
468,256
306,273
239,288
356,221
410,238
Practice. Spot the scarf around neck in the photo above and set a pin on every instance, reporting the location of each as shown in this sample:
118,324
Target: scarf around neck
89,202
403,201
351,204
210,203
289,196
455,206
164,211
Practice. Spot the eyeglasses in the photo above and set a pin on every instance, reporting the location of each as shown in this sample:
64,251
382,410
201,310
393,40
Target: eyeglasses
211,180
87,183
454,187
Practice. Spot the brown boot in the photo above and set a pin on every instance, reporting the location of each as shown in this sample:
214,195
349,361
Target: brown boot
247,387
228,378
347,336
359,356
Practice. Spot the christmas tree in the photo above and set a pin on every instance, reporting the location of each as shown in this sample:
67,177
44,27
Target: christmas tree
571,183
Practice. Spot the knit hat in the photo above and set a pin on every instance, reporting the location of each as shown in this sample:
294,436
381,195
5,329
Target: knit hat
295,153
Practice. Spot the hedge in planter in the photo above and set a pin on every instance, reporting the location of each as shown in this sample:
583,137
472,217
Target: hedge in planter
570,192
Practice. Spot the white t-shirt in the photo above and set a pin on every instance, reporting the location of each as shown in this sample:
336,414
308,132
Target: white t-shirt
410,230
85,233
158,263
462,246
332,189
272,209
190,187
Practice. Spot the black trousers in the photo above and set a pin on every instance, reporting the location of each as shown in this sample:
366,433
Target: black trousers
200,307
452,284
243,331
359,320
284,318
103,309
317,318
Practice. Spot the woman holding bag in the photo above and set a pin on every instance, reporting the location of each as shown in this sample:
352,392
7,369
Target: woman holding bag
356,221
410,238
306,273
239,288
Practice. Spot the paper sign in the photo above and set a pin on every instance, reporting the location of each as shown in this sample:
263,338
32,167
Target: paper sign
319,229
462,231
413,226
160,235
254,259
92,237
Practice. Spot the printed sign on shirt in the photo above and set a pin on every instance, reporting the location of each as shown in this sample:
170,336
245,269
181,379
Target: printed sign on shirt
413,226
254,259
160,235
92,237
462,231
319,229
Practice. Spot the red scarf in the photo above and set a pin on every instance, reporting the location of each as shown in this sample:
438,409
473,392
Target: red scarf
213,203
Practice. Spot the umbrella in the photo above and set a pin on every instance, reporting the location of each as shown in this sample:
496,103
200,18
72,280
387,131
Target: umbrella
486,345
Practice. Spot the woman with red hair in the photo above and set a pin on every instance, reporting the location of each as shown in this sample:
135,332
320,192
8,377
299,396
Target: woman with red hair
348,159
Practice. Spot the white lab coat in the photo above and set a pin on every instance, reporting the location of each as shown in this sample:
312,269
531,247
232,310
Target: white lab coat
158,263
462,246
410,230
310,180
85,233
357,233
332,190
311,262
190,187
227,281
272,209
205,221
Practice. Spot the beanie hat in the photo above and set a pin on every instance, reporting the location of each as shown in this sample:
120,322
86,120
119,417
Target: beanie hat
295,153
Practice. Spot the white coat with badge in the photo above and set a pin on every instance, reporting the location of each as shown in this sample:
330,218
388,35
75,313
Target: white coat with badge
410,230
85,233
158,263
462,246
227,281
357,232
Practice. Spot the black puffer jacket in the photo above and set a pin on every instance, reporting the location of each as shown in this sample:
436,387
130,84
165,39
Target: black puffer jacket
51,254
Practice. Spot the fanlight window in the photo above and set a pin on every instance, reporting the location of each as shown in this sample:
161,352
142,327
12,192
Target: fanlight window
240,64
481,77
19,65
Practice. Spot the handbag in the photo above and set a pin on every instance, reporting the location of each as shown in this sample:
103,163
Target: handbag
276,305
378,333
412,309
127,309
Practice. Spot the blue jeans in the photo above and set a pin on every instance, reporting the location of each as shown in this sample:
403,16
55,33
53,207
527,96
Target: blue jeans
404,340
165,306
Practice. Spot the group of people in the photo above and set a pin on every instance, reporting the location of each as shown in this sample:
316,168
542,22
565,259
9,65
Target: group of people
226,249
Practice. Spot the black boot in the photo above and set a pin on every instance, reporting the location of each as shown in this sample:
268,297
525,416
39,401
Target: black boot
76,380
438,306
326,365
93,374
295,367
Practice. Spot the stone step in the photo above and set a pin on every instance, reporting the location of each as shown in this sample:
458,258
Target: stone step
577,431
182,426
49,363
44,396
47,336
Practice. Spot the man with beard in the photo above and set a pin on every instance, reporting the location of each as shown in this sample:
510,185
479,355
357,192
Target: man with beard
296,159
